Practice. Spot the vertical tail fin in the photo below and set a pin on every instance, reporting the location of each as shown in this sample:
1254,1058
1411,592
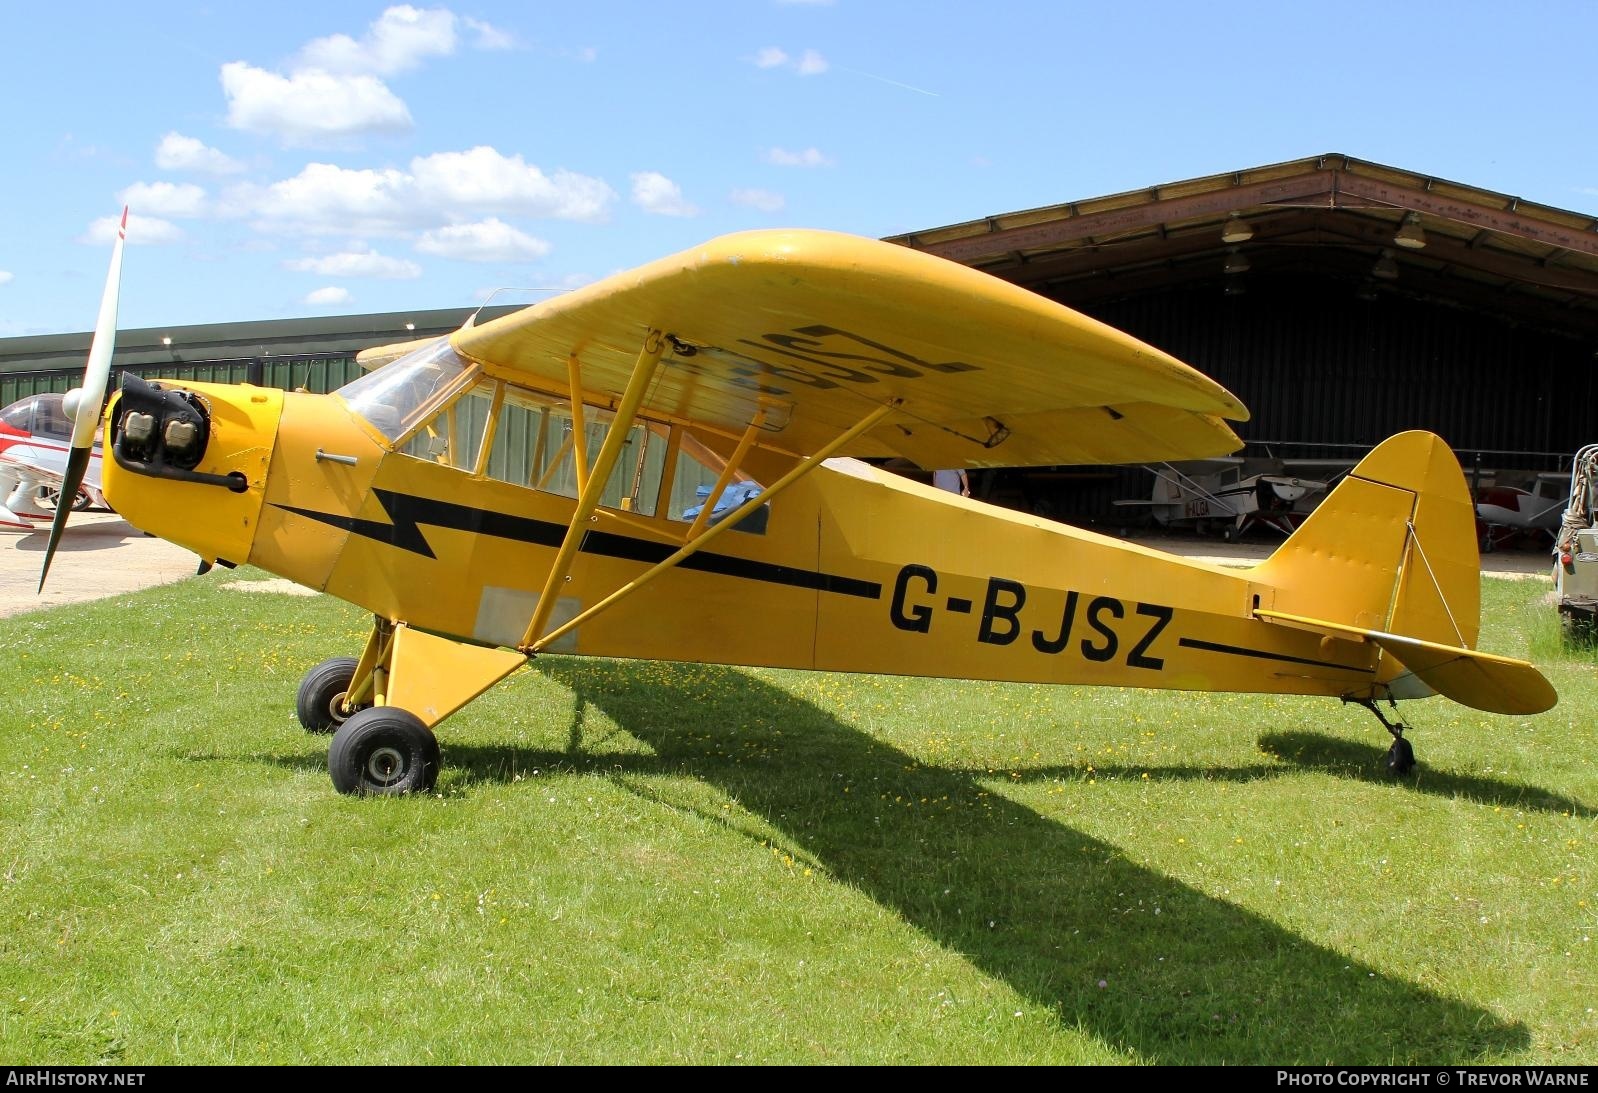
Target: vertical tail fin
1390,556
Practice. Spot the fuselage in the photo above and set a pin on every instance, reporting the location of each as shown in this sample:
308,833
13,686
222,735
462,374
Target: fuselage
852,568
35,436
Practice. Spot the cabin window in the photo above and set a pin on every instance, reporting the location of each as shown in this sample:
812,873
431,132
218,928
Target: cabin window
697,469
518,436
534,443
40,415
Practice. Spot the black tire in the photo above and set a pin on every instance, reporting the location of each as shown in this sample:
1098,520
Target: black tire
383,751
1400,758
321,690
49,497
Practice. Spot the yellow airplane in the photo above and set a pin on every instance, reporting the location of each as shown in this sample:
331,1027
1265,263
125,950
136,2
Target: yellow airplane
669,465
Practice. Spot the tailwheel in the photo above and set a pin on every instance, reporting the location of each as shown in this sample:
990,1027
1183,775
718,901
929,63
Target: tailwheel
383,751
1401,756
320,703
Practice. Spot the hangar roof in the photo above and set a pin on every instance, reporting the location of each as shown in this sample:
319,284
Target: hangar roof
1330,215
157,345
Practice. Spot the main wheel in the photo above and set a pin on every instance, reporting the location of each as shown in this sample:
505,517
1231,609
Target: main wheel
383,750
320,704
50,497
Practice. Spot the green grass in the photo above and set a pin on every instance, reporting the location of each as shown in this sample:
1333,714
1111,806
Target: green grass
642,863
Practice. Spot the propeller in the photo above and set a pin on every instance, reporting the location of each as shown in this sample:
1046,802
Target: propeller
82,404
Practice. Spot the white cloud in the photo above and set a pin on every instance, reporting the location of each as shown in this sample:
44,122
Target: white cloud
655,193
366,263
6,277
810,157
327,297
324,198
489,36
177,152
811,63
489,240
333,88
398,40
174,199
310,106
808,63
764,200
588,55
141,230
444,188
484,178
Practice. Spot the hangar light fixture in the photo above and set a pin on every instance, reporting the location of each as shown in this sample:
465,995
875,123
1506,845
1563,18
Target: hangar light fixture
1236,230
1236,262
1386,267
1410,234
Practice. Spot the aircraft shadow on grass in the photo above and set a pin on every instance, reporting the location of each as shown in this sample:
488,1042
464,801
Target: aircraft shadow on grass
1049,910
1298,752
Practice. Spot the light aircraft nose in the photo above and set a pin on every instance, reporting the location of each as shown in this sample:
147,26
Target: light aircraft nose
188,462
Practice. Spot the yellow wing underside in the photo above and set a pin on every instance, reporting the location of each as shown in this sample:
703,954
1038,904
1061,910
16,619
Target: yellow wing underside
813,330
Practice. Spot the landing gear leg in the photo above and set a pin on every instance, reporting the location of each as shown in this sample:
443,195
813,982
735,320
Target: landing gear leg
382,708
1401,756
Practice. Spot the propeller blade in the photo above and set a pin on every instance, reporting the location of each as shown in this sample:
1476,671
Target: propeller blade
83,404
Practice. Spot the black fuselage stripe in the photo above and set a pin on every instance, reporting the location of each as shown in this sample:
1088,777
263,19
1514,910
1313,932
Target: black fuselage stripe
1261,654
408,513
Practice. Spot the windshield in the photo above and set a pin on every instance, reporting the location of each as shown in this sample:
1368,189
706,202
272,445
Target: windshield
397,396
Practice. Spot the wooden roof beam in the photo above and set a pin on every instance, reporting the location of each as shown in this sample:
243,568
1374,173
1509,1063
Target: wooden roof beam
1503,221
1298,189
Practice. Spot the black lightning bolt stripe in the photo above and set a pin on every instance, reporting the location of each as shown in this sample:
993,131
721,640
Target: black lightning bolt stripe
1261,654
408,513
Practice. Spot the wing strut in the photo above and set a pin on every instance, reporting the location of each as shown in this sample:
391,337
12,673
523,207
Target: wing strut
693,545
725,478
574,376
655,345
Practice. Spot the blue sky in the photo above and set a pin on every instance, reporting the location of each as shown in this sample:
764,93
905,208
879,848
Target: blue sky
297,158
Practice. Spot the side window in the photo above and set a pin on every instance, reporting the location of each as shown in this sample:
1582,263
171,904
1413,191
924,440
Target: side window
532,441
697,469
535,444
50,417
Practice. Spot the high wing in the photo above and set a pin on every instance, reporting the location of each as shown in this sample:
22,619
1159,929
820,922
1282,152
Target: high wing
808,331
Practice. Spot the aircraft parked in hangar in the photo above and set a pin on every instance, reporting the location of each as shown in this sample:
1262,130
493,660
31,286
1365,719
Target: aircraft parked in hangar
1236,494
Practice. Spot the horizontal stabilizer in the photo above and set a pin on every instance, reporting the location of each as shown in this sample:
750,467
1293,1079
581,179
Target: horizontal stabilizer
1482,681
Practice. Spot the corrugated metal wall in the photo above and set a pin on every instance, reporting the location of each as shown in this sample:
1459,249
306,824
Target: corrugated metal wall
1315,365
1327,375
319,374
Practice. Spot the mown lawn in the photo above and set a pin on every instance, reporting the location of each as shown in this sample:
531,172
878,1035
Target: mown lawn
643,863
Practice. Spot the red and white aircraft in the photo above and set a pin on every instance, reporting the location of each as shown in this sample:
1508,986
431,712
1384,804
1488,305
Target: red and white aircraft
35,439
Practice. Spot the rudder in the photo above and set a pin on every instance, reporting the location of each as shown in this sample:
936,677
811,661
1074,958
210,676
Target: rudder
1392,548
1390,557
